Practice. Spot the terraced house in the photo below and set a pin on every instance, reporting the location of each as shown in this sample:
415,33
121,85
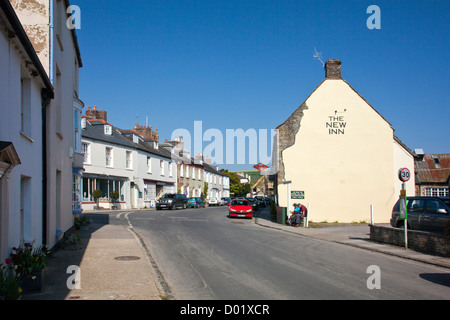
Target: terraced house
122,162
40,52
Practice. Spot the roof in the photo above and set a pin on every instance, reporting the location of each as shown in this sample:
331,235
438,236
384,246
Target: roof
434,168
94,130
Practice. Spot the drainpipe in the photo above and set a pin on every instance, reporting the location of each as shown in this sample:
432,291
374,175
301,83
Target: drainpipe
51,42
46,96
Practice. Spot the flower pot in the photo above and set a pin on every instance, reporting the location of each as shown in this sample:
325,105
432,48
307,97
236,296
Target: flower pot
33,282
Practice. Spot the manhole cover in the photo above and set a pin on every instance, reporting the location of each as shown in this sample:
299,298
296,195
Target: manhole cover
127,258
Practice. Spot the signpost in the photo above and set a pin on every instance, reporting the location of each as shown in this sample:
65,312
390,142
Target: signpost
404,175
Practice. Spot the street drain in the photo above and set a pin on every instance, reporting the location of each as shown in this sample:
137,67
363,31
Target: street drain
127,258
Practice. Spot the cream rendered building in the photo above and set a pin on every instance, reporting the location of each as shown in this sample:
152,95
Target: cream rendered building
342,155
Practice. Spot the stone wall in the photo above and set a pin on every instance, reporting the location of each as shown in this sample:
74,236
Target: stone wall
433,243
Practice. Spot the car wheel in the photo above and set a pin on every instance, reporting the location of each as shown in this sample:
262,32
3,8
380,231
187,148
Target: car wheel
184,205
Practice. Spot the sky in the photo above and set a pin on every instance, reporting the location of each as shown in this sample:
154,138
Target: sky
250,64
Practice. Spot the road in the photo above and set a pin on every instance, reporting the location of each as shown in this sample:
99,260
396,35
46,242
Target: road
203,254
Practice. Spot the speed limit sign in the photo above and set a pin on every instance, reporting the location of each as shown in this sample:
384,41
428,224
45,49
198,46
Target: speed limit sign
404,174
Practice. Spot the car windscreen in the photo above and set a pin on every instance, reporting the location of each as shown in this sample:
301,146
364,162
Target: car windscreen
240,203
168,196
447,202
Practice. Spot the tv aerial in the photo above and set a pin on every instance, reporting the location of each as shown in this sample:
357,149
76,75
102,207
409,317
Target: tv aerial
318,56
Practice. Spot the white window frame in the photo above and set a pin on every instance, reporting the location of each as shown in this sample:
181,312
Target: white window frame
128,160
109,161
161,166
85,150
149,164
170,169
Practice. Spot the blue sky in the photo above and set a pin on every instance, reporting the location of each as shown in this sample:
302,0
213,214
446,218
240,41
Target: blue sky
249,64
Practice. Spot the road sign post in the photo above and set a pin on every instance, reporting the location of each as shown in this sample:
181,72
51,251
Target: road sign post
404,175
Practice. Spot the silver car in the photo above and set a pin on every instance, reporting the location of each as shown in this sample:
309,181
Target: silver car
423,213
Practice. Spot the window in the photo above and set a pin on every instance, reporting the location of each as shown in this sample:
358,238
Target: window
161,164
181,170
433,206
187,171
108,130
77,131
170,169
436,192
76,192
109,157
25,106
128,160
85,150
149,164
416,205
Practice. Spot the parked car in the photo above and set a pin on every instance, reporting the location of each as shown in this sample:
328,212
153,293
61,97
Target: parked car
423,213
221,201
253,203
171,201
195,202
261,202
227,201
240,208
213,201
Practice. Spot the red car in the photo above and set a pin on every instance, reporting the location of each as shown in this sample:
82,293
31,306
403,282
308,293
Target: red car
241,208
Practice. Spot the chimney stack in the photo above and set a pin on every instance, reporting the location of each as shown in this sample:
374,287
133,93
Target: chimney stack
96,114
333,69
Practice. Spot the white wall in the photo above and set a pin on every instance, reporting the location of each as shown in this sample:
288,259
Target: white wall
28,146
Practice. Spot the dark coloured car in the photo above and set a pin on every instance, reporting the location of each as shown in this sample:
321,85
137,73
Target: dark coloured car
195,202
423,213
253,203
261,201
171,201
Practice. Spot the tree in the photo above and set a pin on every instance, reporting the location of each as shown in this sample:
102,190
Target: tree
205,191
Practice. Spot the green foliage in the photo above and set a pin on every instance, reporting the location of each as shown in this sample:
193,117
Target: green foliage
237,188
205,191
9,283
96,194
114,195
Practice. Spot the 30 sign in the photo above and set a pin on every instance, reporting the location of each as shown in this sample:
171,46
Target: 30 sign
404,174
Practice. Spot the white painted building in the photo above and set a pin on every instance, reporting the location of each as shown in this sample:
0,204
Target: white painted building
25,89
45,22
120,160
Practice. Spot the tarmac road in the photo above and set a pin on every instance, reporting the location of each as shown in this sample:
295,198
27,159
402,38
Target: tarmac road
203,254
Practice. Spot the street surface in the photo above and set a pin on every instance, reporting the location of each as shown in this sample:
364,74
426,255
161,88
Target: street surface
203,254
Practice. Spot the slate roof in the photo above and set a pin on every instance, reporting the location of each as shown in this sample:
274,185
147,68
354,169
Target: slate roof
95,130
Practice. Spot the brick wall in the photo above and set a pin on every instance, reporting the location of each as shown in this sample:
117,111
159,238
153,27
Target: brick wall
438,244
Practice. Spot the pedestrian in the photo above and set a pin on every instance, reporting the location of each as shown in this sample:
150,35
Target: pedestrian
296,216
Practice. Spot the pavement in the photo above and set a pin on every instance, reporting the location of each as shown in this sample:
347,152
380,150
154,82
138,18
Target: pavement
114,262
